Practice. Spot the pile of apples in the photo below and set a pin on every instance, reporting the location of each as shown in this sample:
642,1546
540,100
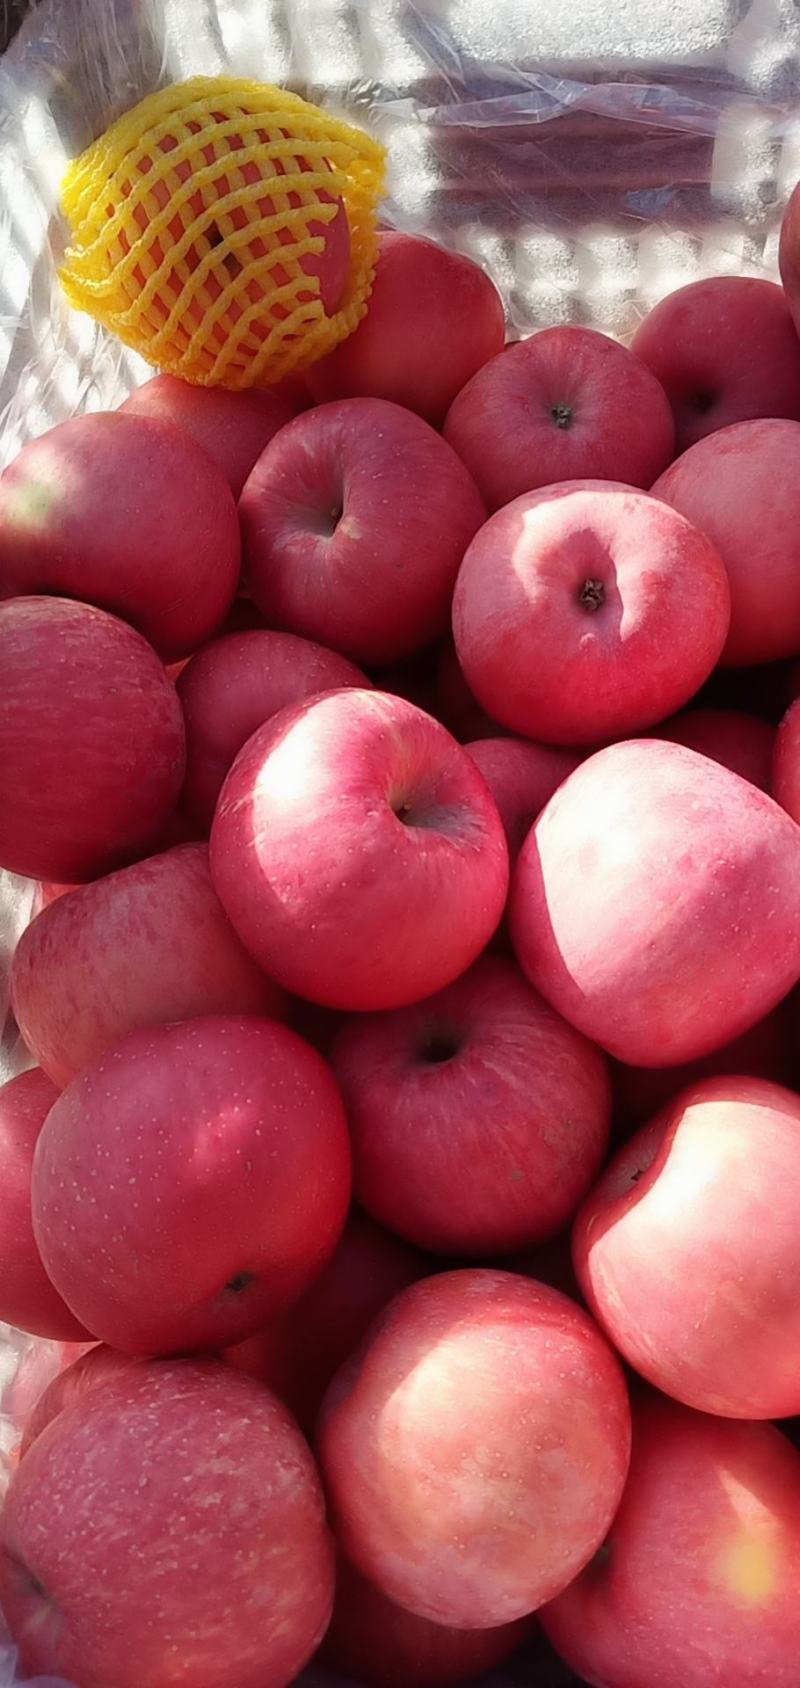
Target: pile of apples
409,760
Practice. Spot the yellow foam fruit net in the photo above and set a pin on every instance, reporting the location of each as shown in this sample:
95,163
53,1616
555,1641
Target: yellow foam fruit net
200,226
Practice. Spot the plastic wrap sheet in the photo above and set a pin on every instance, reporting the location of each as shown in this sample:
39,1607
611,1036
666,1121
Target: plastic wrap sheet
592,157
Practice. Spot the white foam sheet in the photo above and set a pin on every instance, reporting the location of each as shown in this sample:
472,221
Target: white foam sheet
591,157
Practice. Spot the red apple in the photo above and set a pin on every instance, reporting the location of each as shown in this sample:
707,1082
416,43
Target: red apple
479,1117
475,1448
697,1581
232,687
354,522
725,350
786,763
763,1051
739,741
568,404
92,745
742,487
298,1353
380,1644
656,903
232,427
127,513
522,778
84,1367
585,610
169,1524
687,1250
191,1183
358,852
27,1297
144,946
434,318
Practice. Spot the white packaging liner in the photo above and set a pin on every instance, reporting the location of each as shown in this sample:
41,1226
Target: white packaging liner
592,156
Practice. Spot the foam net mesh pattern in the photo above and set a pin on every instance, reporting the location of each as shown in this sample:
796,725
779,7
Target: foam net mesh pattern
194,218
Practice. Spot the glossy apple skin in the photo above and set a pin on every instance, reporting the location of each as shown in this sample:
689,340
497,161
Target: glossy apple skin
141,947
725,350
298,1353
232,686
695,1289
127,513
223,1129
656,903
741,486
481,1090
233,428
736,739
585,611
92,741
434,318
27,1297
173,1509
522,777
435,1495
354,522
567,404
404,860
786,763
697,1580
375,1642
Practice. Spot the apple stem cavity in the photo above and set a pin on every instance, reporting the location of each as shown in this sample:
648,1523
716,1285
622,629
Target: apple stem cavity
592,595
562,415
240,1282
440,1047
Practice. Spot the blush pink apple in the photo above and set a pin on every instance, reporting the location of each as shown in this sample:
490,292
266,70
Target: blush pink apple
231,427
741,486
434,318
656,903
725,350
696,1582
375,1642
765,1050
687,1249
92,744
27,1297
786,763
127,513
567,404
233,686
358,852
522,778
475,1448
740,741
298,1353
479,1118
354,523
142,947
584,611
191,1183
169,1523
84,1367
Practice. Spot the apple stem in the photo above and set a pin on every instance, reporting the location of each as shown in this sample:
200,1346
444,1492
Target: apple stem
562,415
592,595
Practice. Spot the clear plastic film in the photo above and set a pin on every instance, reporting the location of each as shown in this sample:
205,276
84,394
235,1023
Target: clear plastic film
591,157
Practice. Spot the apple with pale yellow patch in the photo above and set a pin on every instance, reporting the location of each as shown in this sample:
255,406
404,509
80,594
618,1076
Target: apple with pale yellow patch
697,1581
